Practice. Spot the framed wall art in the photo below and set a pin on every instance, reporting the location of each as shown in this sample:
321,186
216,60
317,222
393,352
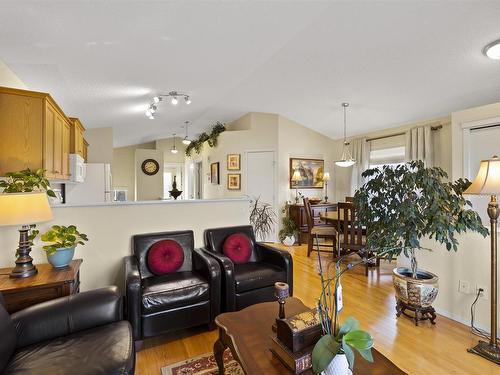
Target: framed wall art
233,162
311,173
234,181
214,173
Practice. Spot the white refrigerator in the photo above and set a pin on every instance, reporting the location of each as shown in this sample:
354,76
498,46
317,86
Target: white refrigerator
95,189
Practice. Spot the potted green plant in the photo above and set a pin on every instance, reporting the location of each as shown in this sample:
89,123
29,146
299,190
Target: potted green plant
289,231
61,243
262,218
402,205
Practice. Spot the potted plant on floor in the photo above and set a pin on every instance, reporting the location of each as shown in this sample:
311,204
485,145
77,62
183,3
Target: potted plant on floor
262,218
402,205
288,232
61,243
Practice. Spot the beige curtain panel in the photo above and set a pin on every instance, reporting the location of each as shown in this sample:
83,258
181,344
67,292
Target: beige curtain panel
419,145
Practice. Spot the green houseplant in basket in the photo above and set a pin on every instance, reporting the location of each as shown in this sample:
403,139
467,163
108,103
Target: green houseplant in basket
61,243
402,205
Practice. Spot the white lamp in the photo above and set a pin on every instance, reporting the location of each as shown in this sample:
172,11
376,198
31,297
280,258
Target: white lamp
326,178
296,177
487,182
24,209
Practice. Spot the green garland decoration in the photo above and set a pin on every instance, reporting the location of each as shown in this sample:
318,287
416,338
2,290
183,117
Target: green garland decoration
197,144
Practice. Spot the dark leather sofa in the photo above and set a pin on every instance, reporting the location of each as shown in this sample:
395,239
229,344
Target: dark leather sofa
251,282
157,304
82,334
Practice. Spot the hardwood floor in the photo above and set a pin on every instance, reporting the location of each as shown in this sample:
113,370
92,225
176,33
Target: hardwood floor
427,349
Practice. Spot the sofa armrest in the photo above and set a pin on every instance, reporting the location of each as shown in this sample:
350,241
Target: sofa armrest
66,315
227,278
133,295
208,267
279,258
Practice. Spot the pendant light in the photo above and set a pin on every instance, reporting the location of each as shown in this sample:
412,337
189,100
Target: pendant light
346,160
173,150
186,140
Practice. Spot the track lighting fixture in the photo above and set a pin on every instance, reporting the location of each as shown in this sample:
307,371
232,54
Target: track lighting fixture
174,150
186,140
174,100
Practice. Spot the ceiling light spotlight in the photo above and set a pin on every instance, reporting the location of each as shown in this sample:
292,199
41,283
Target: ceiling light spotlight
174,100
174,150
492,50
188,101
156,99
152,108
151,117
186,141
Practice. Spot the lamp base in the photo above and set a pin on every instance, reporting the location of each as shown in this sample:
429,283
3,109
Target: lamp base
24,262
486,350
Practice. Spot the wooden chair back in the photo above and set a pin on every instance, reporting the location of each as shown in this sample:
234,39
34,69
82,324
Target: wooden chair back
309,215
349,199
352,237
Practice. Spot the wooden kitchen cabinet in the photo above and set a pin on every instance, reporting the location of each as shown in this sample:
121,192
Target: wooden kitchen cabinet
77,145
85,150
34,133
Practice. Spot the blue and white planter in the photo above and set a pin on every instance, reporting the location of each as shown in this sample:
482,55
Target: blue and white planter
62,257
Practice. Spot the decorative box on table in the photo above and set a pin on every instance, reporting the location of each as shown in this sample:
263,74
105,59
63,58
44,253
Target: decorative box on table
300,331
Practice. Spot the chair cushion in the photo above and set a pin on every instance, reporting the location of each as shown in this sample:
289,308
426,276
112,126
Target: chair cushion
238,248
165,256
173,290
255,275
106,349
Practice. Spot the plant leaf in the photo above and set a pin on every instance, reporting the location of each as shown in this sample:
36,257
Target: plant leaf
350,324
324,351
360,340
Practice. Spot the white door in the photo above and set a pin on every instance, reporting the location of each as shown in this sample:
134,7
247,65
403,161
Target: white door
260,177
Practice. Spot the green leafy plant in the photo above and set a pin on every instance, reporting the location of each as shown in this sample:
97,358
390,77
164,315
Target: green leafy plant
403,204
347,339
211,139
61,237
288,226
262,218
26,181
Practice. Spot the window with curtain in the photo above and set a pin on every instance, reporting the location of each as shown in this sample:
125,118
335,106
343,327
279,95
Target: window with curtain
387,151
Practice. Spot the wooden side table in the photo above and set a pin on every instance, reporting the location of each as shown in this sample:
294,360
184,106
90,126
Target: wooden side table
47,284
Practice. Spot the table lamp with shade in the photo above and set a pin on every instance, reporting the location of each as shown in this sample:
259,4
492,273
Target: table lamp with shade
487,182
23,209
326,178
296,177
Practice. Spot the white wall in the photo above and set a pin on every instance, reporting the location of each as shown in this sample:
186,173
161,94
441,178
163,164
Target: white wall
110,229
100,148
9,79
148,187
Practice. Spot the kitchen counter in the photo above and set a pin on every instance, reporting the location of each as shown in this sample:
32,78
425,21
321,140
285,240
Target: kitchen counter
151,202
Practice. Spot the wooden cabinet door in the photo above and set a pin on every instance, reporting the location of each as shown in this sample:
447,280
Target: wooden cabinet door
80,141
48,141
65,150
58,149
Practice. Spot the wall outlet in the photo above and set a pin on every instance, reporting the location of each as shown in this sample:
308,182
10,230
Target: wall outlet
463,287
484,292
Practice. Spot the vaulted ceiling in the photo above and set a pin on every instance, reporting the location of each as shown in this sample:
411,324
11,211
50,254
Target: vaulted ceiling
395,62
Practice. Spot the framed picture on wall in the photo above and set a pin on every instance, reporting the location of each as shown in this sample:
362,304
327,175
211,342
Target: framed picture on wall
233,162
234,181
310,172
214,173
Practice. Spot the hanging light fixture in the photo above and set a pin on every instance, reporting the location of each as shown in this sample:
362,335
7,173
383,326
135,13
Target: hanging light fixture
174,150
174,97
346,160
186,140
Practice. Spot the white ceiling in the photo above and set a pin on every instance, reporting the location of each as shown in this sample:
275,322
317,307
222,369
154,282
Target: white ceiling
394,61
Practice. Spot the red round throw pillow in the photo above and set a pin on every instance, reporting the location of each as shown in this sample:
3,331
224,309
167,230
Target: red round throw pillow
238,248
165,256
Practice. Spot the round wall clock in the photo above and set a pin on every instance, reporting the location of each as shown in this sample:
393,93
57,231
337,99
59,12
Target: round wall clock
150,167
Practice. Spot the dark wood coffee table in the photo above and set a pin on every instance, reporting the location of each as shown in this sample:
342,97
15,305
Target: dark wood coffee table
247,334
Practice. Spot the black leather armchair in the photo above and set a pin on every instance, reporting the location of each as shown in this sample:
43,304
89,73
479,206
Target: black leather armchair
182,299
252,282
81,334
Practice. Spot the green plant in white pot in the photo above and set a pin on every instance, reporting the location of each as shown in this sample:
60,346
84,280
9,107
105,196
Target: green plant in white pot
402,205
289,231
61,243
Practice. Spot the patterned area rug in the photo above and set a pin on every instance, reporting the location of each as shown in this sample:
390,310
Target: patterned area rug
203,365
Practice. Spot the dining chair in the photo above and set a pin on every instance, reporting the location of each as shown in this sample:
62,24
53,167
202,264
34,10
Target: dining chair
352,238
317,232
349,199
